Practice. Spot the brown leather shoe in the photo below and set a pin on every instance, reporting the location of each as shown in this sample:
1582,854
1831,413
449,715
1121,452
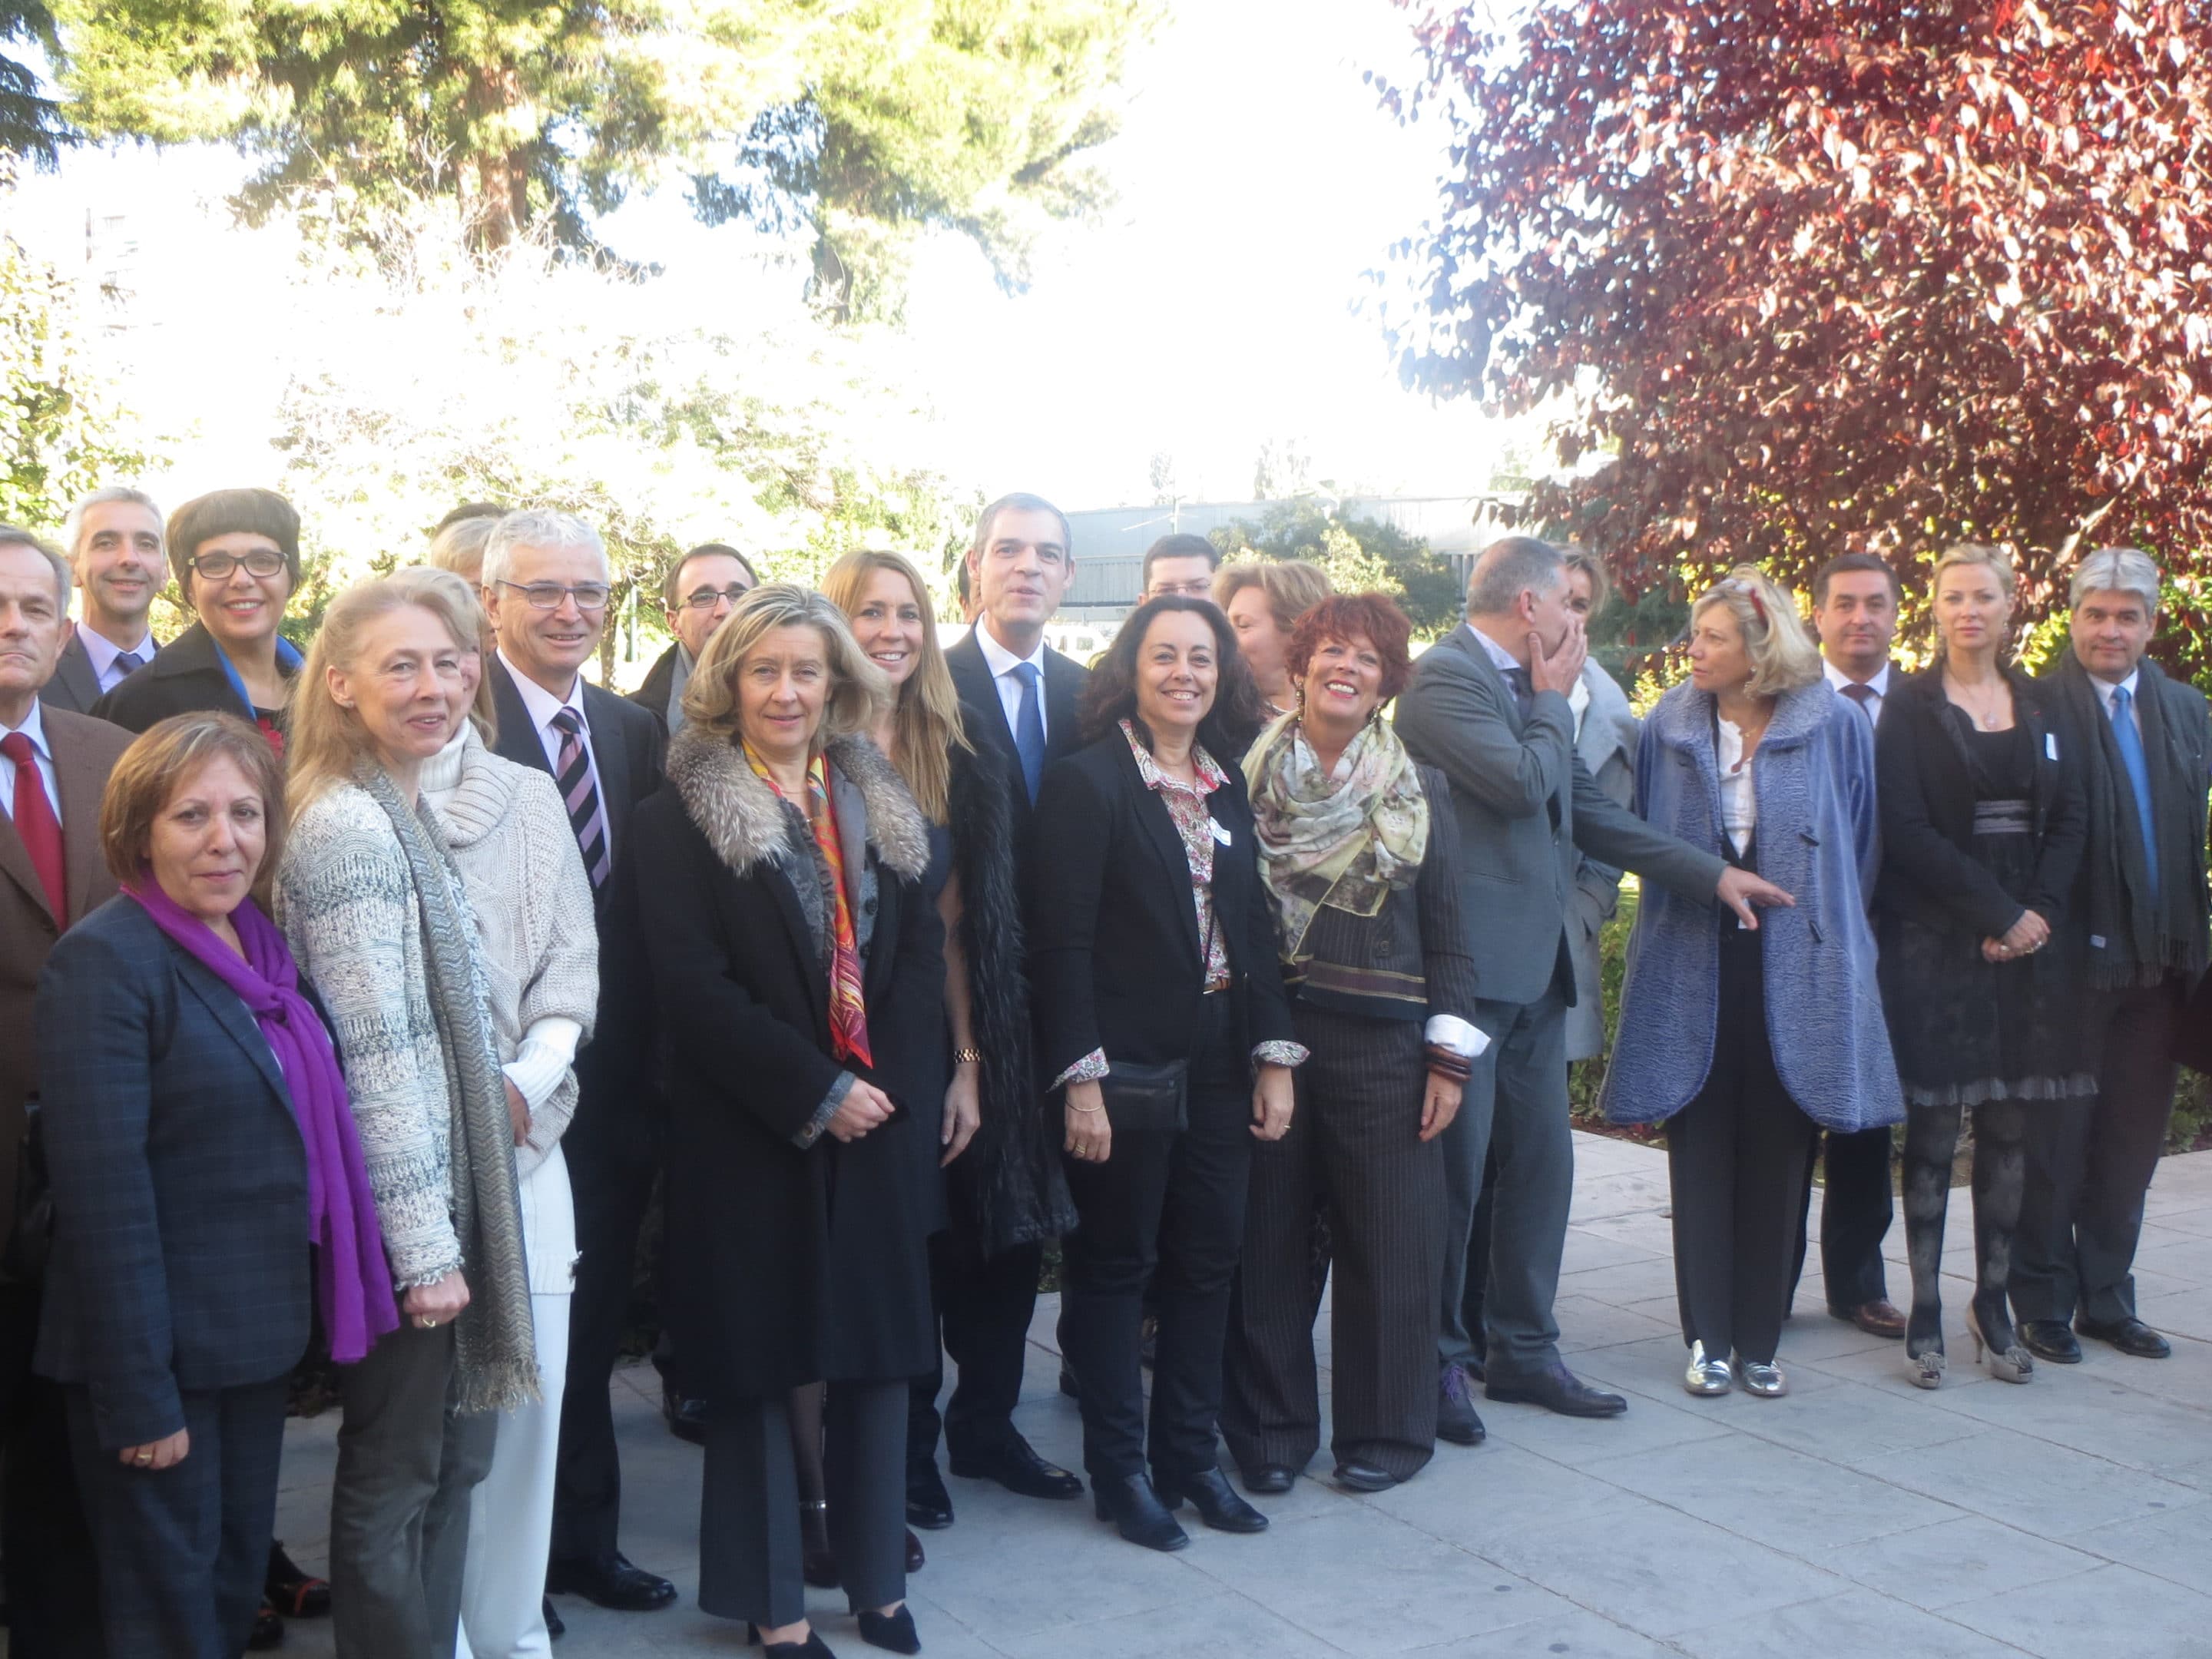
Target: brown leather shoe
1874,1318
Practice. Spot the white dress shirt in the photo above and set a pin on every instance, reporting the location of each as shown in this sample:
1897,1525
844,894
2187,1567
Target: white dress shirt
2107,690
1879,685
1738,801
102,652
1002,664
35,728
543,705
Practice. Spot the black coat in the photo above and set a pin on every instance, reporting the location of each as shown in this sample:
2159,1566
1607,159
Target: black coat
185,677
654,692
787,1262
1115,959
179,1180
985,717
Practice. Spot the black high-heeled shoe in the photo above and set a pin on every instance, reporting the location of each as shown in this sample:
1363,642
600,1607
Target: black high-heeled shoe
812,1648
1215,1500
893,1632
1134,1508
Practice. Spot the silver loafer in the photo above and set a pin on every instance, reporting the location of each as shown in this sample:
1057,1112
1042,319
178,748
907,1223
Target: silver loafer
1706,1375
1762,1376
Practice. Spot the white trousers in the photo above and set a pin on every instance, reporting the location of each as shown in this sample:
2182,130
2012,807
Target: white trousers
511,1510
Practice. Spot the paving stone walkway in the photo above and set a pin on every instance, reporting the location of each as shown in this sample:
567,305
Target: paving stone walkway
2070,1518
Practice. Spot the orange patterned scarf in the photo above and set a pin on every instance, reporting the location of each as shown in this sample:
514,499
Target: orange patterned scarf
848,1011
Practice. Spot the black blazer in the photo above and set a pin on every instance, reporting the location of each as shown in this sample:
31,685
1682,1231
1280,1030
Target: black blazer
184,678
1924,786
1113,933
985,717
179,1180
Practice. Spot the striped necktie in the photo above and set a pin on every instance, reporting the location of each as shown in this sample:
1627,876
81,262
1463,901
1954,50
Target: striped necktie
579,794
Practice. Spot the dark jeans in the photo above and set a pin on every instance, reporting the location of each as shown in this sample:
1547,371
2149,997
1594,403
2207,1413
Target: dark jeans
984,1304
399,1506
749,1548
1735,1156
1166,1206
53,1582
2090,1162
183,1551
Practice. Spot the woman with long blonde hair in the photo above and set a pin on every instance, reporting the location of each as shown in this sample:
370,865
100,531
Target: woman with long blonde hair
1003,1182
379,920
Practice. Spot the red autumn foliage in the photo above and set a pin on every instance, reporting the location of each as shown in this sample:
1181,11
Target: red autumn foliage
1829,275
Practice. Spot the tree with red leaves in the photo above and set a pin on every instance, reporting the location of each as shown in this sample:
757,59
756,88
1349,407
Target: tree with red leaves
1827,275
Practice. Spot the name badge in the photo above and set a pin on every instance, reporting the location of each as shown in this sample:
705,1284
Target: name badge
1220,834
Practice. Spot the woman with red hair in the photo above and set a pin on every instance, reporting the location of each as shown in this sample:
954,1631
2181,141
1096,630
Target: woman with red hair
1358,854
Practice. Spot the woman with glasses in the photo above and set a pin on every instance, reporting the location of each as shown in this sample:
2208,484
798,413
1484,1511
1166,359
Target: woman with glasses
236,553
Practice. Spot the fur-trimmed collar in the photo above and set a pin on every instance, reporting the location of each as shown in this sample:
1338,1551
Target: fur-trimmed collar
743,821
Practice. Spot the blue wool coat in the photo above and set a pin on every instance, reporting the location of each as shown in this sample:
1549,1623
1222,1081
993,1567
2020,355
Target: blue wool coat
1817,839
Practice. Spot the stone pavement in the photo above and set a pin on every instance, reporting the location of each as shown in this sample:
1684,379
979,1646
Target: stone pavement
1858,1516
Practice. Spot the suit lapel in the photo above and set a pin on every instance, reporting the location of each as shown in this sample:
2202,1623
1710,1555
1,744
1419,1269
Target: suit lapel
75,672
1063,679
815,973
81,782
518,732
971,679
230,1013
1166,843
16,864
610,754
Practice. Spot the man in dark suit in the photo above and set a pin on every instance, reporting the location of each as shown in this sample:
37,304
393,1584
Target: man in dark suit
53,768
1488,707
545,585
1017,697
2139,904
697,593
1855,599
120,563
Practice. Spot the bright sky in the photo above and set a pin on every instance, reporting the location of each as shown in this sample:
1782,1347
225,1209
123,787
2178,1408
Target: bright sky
1217,306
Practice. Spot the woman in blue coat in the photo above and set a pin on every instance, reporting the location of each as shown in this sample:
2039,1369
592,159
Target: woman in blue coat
1742,1040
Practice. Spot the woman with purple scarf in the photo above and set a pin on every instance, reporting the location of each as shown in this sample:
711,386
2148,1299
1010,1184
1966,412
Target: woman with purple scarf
198,1143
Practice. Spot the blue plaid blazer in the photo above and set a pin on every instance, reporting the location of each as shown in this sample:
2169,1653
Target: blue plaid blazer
180,1256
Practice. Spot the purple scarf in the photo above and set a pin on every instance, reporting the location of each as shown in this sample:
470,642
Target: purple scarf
353,1281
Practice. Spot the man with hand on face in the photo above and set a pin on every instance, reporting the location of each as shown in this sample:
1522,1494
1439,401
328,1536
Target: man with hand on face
1180,564
2146,746
120,563
1017,698
1855,614
1488,707
697,594
53,769
546,589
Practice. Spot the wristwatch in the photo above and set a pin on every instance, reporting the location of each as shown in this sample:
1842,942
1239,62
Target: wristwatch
967,1056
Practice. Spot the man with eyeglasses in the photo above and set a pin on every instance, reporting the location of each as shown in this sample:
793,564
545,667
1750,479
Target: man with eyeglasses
697,593
546,586
119,562
1180,564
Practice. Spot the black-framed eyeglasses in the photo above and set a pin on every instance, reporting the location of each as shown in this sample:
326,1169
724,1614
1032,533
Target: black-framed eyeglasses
220,566
706,598
547,596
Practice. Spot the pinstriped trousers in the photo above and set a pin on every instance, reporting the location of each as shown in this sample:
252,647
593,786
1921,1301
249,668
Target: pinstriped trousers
1354,1145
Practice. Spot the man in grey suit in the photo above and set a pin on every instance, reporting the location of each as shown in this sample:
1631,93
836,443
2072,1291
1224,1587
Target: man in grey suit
1488,706
119,559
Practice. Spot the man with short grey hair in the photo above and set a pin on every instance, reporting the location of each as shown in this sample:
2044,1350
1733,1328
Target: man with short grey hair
120,562
1488,707
2145,747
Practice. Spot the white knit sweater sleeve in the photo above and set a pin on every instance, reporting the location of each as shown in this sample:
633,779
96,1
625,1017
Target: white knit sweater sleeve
563,983
347,908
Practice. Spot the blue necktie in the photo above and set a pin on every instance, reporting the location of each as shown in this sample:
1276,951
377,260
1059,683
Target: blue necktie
2131,757
1029,729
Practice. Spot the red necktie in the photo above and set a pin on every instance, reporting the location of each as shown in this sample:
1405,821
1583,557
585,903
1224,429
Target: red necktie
35,823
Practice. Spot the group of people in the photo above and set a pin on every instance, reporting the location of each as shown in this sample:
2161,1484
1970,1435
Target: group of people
366,998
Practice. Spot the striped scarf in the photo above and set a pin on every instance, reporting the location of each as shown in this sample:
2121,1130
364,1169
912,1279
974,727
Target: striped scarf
848,1010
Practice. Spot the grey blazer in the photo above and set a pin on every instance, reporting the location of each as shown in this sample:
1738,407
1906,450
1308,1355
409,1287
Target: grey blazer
1525,805
74,687
1606,748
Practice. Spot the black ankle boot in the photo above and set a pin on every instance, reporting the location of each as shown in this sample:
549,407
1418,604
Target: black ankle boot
1134,1508
1214,1499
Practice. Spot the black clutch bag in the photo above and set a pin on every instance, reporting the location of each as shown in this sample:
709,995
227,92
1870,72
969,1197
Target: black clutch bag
1146,1097
31,1238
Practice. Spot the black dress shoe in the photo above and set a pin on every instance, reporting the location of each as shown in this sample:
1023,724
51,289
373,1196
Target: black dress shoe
1557,1389
1137,1513
1455,1419
892,1632
291,1589
1269,1479
915,1560
929,1505
268,1630
1213,1498
686,1414
1016,1468
1356,1476
2050,1339
555,1630
2129,1335
611,1582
